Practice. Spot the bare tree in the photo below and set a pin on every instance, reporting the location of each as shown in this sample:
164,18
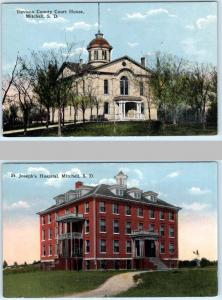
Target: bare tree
10,81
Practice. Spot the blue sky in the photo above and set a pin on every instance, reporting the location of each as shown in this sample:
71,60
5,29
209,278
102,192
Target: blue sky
187,30
191,186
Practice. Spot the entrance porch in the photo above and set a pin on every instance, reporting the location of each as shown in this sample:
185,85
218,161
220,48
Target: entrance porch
129,108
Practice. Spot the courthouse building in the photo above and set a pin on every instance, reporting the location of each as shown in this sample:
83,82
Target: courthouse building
121,85
109,227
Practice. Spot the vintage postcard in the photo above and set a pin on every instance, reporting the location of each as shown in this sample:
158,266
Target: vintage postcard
109,229
109,69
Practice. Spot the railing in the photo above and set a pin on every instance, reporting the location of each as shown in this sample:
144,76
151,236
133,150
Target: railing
69,216
144,232
70,235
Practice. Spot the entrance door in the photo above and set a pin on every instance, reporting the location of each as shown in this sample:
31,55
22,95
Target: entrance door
150,249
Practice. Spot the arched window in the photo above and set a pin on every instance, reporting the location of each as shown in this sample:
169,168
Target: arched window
124,86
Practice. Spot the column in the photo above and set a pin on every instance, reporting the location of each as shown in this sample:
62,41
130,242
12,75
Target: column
71,239
124,110
120,110
137,110
142,248
140,110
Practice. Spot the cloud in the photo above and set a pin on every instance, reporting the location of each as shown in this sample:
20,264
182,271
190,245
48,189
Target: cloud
54,45
81,25
202,23
190,48
132,45
59,180
195,206
190,27
197,191
139,173
107,181
133,183
173,174
18,205
38,170
152,12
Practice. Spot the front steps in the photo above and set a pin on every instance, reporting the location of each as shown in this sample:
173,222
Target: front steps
158,263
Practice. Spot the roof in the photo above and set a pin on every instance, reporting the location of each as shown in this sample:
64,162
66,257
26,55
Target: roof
103,190
99,42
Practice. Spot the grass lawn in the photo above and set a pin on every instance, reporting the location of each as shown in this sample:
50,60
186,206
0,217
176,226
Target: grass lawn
131,128
181,283
51,283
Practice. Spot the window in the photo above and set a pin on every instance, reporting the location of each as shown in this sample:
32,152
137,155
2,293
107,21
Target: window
50,234
106,86
162,248
128,210
104,54
102,264
43,220
137,195
162,230
171,216
124,86
115,208
128,227
60,228
50,250
116,226
152,215
43,250
87,264
128,247
106,108
171,248
56,232
151,227
49,219
102,246
76,210
140,227
96,56
78,193
66,212
161,215
119,192
87,247
102,225
56,217
86,207
43,234
115,246
102,207
171,232
139,212
87,226
141,89
90,55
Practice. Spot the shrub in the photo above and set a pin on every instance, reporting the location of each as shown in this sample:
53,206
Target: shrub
155,125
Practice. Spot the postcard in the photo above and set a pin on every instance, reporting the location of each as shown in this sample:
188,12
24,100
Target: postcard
109,69
109,229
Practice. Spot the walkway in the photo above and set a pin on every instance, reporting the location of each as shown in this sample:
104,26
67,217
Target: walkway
112,286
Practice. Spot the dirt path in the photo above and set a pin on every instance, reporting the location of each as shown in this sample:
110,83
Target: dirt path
112,286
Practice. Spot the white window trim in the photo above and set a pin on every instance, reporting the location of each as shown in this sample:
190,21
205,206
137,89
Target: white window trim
114,247
126,248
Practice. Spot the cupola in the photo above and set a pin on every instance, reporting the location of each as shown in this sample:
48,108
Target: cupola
99,50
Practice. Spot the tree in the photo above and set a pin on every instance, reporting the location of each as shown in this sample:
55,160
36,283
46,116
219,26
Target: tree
23,87
5,264
8,84
202,86
15,264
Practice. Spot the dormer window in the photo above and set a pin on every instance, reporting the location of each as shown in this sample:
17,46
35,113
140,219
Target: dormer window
78,193
151,196
119,192
137,195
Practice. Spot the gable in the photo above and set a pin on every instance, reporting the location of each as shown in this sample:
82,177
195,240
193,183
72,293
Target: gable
122,64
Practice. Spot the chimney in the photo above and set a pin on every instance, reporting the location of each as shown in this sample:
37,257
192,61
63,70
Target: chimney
143,61
78,184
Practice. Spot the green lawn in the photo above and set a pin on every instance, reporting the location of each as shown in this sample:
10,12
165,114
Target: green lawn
131,128
181,283
51,283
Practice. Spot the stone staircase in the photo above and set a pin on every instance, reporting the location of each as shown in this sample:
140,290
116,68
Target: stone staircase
158,263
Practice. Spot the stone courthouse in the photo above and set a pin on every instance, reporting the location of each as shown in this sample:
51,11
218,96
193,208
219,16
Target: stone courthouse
121,86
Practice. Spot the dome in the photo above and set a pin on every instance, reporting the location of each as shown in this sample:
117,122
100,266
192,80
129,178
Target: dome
99,42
